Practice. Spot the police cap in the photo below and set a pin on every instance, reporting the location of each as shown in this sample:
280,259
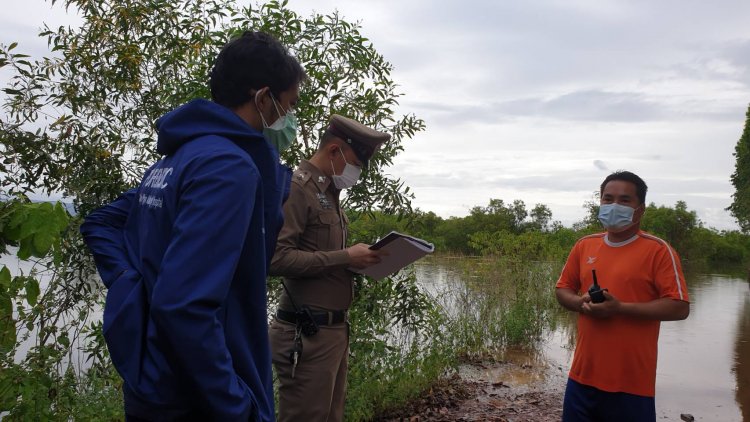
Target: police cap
363,140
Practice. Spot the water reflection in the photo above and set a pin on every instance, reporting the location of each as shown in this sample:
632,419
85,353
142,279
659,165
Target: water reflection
696,356
704,361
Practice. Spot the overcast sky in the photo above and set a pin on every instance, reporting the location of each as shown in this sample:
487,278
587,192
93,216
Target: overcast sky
539,100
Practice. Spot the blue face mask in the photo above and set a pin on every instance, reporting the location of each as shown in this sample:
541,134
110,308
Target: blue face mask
616,217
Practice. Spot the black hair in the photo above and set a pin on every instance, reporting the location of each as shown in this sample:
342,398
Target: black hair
250,62
640,185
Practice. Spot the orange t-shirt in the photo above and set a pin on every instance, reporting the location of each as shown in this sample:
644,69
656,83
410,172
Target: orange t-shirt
618,354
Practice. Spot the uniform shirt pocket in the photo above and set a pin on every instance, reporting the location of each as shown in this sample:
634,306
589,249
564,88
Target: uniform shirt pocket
329,234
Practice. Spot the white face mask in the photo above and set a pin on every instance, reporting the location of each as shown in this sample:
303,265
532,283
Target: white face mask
348,177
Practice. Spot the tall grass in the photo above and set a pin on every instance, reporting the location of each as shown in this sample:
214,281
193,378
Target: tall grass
480,308
500,303
397,351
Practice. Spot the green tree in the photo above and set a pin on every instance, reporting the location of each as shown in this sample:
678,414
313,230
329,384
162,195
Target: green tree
425,225
541,217
349,77
80,123
525,247
519,213
740,207
454,232
674,225
498,215
32,230
591,221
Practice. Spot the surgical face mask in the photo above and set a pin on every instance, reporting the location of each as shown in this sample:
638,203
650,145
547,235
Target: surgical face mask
282,133
348,177
616,217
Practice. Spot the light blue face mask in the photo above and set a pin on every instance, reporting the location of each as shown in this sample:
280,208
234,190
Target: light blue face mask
282,133
615,217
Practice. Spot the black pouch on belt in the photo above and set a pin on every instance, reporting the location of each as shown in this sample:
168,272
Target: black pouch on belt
306,322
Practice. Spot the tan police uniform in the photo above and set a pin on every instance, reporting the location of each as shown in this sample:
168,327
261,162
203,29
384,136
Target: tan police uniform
311,255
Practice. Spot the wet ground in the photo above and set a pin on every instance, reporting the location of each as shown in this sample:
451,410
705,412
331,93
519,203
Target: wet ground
510,390
703,366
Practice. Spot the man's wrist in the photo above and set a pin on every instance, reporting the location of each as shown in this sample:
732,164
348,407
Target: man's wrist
624,308
341,257
575,304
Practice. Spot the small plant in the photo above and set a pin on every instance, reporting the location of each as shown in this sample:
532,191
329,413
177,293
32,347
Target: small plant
398,345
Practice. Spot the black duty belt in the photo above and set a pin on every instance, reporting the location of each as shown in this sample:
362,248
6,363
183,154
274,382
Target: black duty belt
321,318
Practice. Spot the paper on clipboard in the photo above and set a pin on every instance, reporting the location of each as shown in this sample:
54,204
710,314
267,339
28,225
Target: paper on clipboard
401,250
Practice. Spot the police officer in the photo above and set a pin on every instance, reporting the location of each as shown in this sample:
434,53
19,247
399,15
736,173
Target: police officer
312,256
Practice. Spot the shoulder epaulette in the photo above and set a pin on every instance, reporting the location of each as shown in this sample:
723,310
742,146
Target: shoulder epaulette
301,176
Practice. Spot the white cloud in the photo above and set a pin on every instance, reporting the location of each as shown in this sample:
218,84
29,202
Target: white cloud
539,100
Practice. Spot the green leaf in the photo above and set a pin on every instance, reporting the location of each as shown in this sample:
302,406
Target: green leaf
8,391
25,249
42,243
32,290
63,340
7,323
60,218
5,278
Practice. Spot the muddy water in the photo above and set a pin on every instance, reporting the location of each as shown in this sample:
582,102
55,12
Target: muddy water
704,361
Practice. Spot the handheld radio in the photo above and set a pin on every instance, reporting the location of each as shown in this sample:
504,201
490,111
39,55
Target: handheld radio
595,291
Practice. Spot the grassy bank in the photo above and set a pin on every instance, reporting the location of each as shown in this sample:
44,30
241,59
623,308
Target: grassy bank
411,331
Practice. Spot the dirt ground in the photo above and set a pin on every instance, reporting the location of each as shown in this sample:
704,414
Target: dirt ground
497,391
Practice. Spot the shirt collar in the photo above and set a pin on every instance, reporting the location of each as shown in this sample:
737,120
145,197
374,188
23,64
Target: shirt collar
620,244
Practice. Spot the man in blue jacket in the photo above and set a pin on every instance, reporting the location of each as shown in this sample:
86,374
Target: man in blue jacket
185,254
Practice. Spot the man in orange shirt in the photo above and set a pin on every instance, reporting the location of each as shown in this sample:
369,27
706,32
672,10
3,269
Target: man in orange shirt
613,374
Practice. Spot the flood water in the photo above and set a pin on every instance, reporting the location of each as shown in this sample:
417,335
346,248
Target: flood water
704,361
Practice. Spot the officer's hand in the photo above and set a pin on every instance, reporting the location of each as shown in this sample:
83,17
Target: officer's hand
606,309
362,256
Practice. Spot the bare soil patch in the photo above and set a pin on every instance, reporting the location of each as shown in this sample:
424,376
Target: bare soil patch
490,391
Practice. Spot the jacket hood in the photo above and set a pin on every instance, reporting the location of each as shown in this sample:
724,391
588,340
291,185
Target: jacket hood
199,118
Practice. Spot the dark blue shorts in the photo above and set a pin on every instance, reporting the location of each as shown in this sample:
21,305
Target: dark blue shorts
587,404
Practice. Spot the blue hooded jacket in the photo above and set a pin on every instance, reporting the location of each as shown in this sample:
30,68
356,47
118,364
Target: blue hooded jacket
184,257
